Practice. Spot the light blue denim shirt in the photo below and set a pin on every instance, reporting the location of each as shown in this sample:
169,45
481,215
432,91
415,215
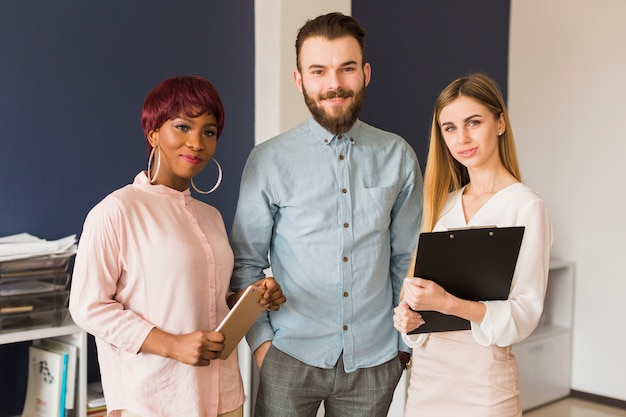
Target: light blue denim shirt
339,217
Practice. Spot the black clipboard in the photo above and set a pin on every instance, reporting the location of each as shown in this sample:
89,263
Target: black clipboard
474,264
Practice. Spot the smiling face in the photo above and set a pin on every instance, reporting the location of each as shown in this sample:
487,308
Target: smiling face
333,80
185,146
470,132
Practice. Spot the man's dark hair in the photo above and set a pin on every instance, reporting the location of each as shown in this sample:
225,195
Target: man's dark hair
330,26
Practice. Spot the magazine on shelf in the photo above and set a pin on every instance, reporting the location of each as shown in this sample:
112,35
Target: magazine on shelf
45,390
72,355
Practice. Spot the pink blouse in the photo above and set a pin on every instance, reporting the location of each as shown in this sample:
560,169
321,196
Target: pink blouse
150,256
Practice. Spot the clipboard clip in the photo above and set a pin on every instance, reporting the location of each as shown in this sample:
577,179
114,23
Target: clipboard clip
454,229
457,229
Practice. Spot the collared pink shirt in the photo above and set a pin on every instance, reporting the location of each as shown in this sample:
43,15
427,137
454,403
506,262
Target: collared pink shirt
150,256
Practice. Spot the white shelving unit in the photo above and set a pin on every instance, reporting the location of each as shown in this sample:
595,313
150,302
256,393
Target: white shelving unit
544,358
70,333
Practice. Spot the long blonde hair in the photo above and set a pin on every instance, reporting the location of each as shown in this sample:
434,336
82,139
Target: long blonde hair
443,173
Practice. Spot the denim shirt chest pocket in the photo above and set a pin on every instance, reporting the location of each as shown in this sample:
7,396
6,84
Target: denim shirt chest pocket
377,204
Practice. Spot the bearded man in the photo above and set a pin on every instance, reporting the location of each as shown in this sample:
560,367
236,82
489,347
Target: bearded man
334,207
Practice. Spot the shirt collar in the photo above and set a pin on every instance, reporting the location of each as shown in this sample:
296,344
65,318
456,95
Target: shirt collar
326,137
142,182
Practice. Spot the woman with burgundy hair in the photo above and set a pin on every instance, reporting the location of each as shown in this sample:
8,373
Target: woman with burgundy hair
153,268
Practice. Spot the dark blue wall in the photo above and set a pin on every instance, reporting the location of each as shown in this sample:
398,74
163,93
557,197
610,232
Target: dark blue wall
421,46
73,76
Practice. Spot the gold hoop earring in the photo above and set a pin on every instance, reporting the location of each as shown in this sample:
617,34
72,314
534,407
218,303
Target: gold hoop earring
217,184
156,171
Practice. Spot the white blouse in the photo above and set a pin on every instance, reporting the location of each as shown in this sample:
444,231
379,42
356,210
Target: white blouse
508,321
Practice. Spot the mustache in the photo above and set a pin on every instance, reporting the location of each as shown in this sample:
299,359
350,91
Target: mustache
337,94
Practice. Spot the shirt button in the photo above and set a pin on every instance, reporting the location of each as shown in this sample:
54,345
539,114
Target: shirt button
343,190
346,225
345,259
351,139
345,327
339,137
341,157
345,294
325,140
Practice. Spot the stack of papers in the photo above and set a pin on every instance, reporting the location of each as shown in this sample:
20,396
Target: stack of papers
24,245
34,279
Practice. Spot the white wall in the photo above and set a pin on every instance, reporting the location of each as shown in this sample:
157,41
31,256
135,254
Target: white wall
278,104
567,99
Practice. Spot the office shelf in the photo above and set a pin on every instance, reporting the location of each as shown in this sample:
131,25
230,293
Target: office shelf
544,358
68,332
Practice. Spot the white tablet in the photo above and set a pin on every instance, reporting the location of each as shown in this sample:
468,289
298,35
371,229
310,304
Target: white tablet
240,318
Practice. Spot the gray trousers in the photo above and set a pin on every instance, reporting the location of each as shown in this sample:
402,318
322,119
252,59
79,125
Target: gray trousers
290,388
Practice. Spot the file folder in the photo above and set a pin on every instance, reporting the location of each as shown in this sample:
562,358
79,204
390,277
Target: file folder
473,264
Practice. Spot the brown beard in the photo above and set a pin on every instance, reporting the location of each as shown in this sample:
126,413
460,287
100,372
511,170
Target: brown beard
343,122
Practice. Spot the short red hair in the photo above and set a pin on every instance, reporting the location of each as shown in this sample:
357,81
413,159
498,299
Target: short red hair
190,95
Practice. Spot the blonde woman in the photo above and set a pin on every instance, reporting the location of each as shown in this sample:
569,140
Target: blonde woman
473,179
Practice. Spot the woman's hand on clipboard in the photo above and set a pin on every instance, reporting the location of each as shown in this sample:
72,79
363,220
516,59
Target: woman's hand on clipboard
405,319
418,294
424,294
